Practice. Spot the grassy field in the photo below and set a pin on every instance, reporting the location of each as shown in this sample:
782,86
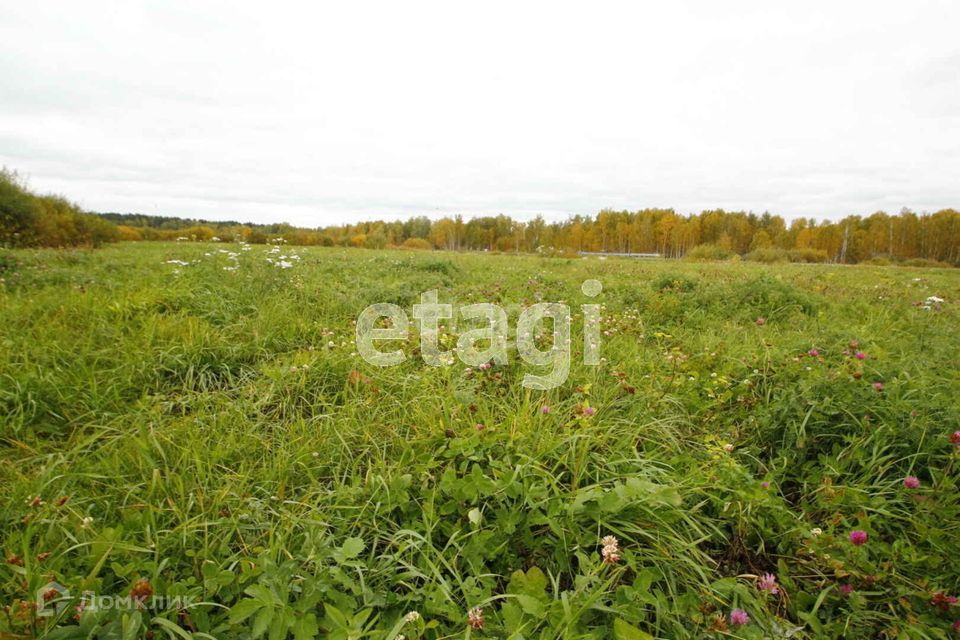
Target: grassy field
204,438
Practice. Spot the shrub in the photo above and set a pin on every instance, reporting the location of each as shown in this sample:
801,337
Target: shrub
769,297
768,255
923,262
439,266
807,255
8,264
418,244
705,252
674,282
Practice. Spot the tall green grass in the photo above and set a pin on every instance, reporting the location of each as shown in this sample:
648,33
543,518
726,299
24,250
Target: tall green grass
213,433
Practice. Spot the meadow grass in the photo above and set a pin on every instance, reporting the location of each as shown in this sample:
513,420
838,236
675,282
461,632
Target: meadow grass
206,430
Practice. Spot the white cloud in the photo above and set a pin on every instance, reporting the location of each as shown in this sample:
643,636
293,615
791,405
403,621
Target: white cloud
345,111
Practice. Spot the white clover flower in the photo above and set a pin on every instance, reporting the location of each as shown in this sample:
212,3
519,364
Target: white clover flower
475,618
816,531
412,616
611,550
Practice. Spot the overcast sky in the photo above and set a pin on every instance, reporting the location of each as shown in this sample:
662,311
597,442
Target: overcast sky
335,112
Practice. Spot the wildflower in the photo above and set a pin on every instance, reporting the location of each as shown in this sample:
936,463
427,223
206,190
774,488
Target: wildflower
956,626
412,616
768,582
728,448
611,550
858,537
761,321
141,590
50,594
43,556
475,618
764,485
545,409
15,560
878,386
86,522
846,589
739,617
719,623
62,500
955,438
610,555
589,411
479,426
860,355
943,601
35,502
485,366
813,353
911,482
816,531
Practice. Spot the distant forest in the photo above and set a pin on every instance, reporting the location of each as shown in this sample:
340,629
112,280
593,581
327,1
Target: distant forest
27,220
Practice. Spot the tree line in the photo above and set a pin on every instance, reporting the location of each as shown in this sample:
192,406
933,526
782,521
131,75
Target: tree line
27,219
31,220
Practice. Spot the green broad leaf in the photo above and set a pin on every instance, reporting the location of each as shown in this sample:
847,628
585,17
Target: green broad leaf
262,622
352,547
531,605
306,628
279,626
532,583
623,630
131,626
336,616
512,615
244,609
263,594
